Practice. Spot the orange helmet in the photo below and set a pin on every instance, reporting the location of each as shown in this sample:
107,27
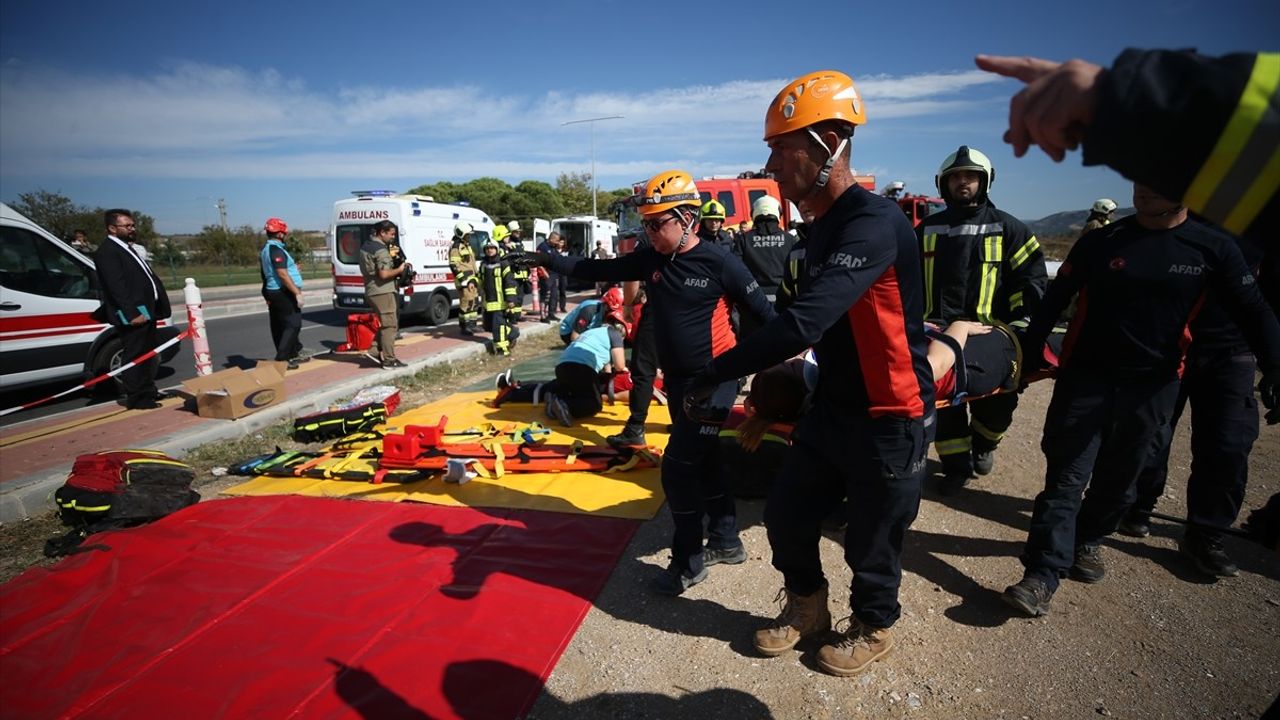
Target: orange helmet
612,298
666,190
812,98
276,225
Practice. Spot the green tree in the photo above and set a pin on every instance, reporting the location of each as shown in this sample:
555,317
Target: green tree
543,200
237,247
58,214
164,253
575,192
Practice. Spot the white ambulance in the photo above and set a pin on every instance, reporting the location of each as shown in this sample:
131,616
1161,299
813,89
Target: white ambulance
426,232
47,292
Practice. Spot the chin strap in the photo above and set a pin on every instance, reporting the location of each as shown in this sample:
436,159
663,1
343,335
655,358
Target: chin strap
693,222
825,173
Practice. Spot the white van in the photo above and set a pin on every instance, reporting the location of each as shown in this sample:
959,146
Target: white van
426,232
47,292
580,233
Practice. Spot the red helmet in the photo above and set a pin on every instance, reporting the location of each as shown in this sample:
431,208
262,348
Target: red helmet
612,298
276,225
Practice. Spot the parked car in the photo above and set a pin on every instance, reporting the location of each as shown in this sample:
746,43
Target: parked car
48,291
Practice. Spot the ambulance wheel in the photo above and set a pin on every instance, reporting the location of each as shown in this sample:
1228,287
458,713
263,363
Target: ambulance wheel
437,312
109,357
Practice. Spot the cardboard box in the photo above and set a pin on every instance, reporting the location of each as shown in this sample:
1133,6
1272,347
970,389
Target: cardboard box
234,393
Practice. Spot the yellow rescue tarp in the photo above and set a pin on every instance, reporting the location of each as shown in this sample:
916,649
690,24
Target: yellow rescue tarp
635,494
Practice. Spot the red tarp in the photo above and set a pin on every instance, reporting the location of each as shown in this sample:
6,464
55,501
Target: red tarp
305,607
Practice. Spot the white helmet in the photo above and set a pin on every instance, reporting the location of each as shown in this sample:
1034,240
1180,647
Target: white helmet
766,205
1104,206
514,226
896,185
966,158
462,229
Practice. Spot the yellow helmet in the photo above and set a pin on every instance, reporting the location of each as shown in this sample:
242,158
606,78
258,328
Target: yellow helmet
500,233
712,210
666,190
812,98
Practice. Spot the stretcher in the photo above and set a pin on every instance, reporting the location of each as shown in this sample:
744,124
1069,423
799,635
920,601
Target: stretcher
421,447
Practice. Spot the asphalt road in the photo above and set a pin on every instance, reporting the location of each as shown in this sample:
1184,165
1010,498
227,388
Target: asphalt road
233,341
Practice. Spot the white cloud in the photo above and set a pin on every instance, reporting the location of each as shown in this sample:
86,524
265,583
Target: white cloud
194,120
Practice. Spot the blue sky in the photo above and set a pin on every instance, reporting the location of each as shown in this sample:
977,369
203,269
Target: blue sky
282,109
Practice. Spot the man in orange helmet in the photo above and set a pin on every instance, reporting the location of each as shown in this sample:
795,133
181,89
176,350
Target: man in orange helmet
859,306
691,285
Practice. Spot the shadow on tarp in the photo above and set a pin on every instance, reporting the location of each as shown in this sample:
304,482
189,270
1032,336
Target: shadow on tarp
302,607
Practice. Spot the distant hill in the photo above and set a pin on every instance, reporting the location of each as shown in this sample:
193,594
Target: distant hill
1058,232
1070,222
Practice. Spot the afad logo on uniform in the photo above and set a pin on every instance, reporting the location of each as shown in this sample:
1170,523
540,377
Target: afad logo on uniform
1116,263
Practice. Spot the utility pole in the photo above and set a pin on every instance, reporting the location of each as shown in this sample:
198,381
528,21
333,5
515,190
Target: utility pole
222,214
593,122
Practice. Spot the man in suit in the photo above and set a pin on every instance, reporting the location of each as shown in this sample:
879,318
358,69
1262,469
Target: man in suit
133,299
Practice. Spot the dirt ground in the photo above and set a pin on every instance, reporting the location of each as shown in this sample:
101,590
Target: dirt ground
1153,640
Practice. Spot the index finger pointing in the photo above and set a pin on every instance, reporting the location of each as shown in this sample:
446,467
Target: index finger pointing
1026,69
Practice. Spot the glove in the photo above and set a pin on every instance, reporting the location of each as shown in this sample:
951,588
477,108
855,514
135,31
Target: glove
1269,394
529,259
697,398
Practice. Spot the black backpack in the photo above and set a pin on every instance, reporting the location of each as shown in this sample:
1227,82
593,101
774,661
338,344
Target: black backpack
117,489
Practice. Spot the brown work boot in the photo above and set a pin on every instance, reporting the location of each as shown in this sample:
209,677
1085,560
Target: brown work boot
860,646
802,616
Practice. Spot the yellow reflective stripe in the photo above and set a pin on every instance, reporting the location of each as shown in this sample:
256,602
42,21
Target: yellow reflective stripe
85,508
930,245
953,447
1260,191
982,430
1024,253
991,257
1255,102
1015,300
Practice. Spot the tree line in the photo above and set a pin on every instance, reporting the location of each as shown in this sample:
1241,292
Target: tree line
571,195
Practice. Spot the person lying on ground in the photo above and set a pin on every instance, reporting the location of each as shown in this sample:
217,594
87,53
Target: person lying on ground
576,391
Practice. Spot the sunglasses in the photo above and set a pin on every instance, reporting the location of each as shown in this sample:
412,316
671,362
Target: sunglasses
654,226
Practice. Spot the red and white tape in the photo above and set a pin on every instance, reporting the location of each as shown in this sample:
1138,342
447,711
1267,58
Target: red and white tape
102,378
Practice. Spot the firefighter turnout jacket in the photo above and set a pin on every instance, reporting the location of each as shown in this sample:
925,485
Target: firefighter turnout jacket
979,263
1198,129
497,286
462,262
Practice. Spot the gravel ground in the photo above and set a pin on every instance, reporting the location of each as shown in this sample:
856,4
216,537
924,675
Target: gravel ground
1153,640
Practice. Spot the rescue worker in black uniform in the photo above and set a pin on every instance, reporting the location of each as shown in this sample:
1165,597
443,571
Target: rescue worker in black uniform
1140,281
644,363
764,250
1217,379
689,284
860,306
498,293
981,264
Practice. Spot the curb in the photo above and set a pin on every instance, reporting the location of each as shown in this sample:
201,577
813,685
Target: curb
32,496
